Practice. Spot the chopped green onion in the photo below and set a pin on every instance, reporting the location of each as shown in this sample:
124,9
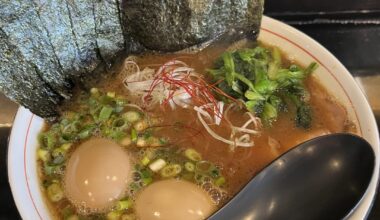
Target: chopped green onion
66,146
120,123
49,140
59,159
43,155
145,161
157,165
189,166
147,181
145,173
55,193
133,135
105,113
123,204
220,181
111,94
132,116
171,170
51,169
192,154
214,172
58,152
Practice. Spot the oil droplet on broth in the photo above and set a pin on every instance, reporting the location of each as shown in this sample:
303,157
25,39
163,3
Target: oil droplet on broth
172,200
97,174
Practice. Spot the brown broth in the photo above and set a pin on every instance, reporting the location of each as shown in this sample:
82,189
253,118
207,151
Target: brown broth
238,165
241,164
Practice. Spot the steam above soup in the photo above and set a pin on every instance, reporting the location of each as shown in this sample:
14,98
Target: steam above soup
176,136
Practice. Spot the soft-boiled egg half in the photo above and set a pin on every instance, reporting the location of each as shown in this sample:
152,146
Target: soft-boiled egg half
173,200
97,174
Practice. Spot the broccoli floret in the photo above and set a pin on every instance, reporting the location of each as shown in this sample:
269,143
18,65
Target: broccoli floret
256,106
257,77
303,116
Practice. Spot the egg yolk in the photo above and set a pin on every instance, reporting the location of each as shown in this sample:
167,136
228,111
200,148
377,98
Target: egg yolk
97,174
172,200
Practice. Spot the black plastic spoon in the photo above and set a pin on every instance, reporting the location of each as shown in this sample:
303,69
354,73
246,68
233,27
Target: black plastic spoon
323,178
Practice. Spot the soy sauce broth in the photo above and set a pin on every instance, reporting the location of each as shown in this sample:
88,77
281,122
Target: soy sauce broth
241,164
238,165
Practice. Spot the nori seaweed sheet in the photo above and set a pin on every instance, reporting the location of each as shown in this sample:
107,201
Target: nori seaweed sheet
55,17
109,34
173,25
20,82
83,26
48,44
26,32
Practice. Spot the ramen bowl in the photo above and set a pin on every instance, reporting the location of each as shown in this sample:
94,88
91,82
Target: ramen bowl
22,158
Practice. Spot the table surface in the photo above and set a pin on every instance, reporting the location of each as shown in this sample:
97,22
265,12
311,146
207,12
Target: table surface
356,45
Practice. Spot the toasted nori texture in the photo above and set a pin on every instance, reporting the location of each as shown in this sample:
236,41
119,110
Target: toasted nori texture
171,25
46,45
25,31
55,17
109,34
83,26
20,82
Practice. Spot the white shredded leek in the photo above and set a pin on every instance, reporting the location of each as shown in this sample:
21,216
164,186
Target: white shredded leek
236,143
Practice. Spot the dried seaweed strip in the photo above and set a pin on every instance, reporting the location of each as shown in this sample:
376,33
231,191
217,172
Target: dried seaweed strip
110,39
55,17
11,11
26,32
20,82
178,24
83,26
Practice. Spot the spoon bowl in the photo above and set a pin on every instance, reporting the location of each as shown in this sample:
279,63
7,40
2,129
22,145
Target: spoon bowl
324,178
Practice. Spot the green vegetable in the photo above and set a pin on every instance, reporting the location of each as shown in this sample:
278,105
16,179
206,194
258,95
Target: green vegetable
220,181
105,113
193,154
258,77
146,181
145,161
303,116
133,135
189,166
51,169
171,170
43,155
124,204
120,124
55,192
132,116
48,139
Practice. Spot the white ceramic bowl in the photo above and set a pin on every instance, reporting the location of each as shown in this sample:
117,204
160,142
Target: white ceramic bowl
331,73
